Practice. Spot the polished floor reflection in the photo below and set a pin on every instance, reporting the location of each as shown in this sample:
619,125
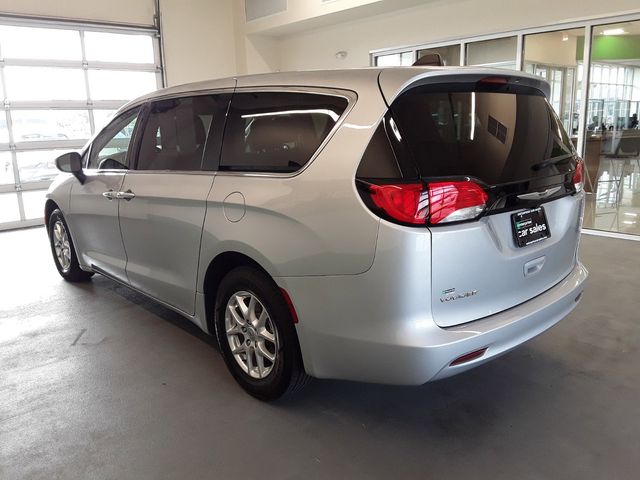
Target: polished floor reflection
613,204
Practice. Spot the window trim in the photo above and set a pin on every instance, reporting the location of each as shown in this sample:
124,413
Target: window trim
349,95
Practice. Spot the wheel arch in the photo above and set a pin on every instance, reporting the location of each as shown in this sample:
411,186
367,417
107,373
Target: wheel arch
218,267
49,207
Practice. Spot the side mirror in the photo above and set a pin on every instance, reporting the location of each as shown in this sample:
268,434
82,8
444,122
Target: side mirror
71,163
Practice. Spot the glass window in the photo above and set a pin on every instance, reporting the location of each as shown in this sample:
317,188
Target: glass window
109,150
6,169
277,132
497,137
44,83
450,54
612,153
499,53
118,47
176,132
120,84
40,43
47,125
9,209
33,202
379,160
38,165
403,59
4,131
554,56
102,117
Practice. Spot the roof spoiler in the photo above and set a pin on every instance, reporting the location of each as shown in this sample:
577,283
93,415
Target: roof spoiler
429,60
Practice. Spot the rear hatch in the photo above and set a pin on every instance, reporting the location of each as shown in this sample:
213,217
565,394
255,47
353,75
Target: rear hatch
499,136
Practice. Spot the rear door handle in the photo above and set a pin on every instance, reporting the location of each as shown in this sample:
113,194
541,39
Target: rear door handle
109,194
534,266
128,195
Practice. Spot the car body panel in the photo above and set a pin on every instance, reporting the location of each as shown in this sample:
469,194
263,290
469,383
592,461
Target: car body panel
477,269
310,222
161,229
345,335
93,219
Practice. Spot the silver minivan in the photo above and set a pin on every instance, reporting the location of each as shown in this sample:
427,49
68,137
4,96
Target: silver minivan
392,225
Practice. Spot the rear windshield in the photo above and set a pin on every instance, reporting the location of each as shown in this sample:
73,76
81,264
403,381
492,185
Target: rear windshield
496,136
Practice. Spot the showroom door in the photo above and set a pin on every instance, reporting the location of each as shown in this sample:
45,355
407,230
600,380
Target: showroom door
164,199
93,205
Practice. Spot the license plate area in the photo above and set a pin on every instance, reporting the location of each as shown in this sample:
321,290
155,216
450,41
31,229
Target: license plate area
530,226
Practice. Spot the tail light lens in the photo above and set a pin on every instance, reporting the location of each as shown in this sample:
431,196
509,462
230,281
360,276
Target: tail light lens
434,203
455,201
406,203
578,176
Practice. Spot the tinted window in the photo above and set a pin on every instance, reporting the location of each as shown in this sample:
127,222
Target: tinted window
383,157
277,131
495,136
176,132
110,149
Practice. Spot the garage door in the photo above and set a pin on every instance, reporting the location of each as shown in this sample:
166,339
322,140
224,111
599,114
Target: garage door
60,83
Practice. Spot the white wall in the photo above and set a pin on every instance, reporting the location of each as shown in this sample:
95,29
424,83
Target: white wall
434,21
549,48
199,39
138,12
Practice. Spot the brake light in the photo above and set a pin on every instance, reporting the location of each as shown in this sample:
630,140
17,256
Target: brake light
438,202
494,80
406,203
455,201
578,176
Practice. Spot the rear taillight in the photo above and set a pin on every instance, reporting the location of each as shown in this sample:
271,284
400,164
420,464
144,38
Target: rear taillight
433,203
578,176
455,201
406,203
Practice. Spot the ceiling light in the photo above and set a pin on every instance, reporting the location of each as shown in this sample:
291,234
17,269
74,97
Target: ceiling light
614,31
565,36
341,55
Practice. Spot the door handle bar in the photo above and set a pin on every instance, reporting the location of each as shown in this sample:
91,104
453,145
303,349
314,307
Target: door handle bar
128,195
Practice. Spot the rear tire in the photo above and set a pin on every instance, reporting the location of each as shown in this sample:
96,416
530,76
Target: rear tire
64,254
257,336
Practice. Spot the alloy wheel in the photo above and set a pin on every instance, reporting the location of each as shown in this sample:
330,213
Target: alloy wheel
251,334
61,245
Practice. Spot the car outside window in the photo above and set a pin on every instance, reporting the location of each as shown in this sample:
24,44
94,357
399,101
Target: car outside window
176,132
110,149
277,131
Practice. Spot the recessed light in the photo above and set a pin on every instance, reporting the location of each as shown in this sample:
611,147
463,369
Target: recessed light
614,31
565,36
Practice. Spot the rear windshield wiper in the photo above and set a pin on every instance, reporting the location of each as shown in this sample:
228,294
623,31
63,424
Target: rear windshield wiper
550,161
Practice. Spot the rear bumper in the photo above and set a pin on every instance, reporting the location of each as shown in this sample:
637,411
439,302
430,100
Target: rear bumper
377,347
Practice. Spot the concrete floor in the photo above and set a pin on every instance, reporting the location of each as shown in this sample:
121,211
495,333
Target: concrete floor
98,382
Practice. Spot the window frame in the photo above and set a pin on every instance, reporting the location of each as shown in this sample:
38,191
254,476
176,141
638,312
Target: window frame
349,95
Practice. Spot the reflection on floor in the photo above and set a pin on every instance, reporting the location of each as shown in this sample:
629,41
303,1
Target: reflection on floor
615,204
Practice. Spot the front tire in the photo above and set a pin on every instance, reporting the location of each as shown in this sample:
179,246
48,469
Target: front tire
256,335
64,254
